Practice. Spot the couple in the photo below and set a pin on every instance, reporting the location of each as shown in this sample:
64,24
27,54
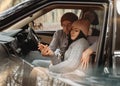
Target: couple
60,40
77,44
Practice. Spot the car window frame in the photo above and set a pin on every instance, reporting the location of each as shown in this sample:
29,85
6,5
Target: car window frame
4,25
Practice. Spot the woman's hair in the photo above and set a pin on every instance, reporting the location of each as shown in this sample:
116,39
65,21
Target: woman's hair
69,16
83,25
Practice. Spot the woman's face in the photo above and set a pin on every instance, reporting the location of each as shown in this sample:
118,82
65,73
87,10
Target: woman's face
66,26
75,31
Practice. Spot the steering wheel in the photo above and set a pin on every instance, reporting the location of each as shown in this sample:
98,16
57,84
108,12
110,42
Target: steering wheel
32,39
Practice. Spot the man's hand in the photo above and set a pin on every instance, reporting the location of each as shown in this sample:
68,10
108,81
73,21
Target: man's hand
86,58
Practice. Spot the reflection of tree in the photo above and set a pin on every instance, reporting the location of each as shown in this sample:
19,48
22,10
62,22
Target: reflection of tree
5,4
16,2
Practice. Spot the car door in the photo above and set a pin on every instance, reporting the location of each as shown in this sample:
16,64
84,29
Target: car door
24,16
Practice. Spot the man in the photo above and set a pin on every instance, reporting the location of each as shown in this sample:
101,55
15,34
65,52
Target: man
92,38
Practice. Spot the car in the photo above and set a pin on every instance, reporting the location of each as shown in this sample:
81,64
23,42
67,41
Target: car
18,41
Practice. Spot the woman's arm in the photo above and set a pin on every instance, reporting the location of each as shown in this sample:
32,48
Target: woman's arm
55,41
49,50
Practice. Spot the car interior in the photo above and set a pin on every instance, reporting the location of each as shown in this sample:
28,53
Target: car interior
45,35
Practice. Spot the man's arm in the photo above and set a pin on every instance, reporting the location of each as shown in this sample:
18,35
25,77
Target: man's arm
86,56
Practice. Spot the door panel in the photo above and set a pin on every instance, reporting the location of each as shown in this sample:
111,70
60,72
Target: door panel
46,36
45,39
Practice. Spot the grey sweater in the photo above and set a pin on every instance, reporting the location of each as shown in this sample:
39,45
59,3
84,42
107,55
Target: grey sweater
59,41
71,58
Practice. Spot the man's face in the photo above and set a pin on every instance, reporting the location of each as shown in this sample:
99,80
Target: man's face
66,26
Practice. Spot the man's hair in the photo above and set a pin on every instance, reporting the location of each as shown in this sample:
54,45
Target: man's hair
87,15
69,16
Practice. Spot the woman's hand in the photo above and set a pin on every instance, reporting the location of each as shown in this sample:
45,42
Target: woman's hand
45,50
41,46
86,58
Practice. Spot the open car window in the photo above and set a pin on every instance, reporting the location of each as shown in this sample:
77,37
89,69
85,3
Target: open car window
51,20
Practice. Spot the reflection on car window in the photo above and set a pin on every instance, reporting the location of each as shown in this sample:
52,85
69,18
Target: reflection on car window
117,42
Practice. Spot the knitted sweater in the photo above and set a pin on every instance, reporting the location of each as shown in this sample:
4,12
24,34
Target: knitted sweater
71,58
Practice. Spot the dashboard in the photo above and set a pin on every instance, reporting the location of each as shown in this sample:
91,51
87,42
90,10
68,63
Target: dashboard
16,42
